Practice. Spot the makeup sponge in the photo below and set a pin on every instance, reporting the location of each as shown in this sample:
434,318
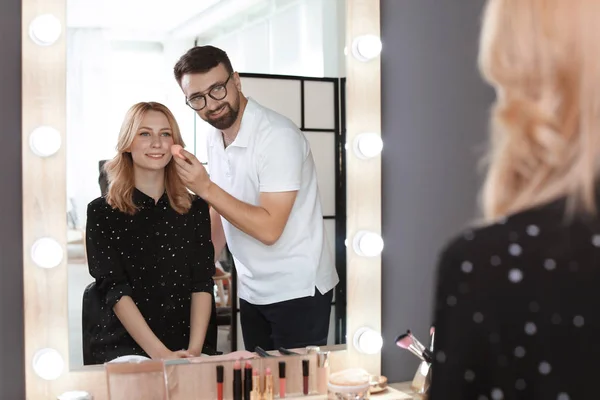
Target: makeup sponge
176,151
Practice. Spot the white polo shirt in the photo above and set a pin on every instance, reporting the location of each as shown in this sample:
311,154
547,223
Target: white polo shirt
270,154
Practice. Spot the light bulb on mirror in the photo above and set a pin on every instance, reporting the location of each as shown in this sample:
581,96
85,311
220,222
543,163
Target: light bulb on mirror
367,244
46,253
44,141
367,145
48,364
366,47
368,341
75,395
45,30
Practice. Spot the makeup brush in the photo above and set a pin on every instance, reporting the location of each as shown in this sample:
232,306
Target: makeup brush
427,354
415,341
261,352
404,341
431,338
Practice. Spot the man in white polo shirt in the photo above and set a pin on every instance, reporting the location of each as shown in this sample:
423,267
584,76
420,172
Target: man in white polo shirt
264,203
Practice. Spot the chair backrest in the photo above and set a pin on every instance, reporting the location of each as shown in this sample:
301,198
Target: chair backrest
103,178
91,306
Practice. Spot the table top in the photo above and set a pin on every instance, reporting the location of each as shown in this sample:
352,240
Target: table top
394,391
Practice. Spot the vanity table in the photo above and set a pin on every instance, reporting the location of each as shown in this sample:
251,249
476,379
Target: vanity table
390,394
196,379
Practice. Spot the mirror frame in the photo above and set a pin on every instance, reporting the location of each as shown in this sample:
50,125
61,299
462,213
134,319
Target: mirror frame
44,201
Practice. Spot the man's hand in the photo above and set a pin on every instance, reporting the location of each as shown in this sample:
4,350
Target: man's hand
192,172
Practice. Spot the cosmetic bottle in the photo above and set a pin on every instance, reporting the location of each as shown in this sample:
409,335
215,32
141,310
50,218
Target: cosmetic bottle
322,371
282,380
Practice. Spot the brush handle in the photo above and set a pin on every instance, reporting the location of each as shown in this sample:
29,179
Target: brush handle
428,356
287,352
262,352
413,349
418,344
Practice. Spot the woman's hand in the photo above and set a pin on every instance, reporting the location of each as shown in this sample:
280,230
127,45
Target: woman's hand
236,355
171,355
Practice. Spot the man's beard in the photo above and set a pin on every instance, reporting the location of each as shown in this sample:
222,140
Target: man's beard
226,120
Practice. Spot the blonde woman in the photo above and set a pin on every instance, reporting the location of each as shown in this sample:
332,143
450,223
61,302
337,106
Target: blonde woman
149,249
517,300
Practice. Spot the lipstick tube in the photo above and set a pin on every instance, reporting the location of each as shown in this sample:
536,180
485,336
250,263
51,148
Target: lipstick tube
237,381
219,382
305,366
268,394
255,393
247,380
282,379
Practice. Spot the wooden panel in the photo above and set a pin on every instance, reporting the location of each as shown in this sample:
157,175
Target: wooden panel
363,110
44,212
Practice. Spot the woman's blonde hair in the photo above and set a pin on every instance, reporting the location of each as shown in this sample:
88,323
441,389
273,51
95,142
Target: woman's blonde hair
543,58
120,169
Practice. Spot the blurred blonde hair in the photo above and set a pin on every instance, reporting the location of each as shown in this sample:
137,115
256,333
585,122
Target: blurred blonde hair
120,169
543,59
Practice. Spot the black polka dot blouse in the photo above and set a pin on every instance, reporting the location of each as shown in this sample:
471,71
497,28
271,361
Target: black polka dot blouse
517,310
158,258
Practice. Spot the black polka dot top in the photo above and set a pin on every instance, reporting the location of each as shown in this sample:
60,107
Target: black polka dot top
517,310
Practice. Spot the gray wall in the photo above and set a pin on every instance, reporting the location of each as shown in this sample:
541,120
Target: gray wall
434,119
11,260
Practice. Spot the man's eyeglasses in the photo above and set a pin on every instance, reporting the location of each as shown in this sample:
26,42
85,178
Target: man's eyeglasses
217,92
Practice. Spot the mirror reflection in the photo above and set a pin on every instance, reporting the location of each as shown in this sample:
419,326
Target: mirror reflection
205,177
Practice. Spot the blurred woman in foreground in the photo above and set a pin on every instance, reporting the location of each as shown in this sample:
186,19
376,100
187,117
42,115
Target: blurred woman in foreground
516,310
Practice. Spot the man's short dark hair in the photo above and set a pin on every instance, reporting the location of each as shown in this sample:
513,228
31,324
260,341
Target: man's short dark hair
201,59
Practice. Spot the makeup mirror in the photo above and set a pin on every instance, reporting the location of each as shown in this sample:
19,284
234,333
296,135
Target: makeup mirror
81,71
289,55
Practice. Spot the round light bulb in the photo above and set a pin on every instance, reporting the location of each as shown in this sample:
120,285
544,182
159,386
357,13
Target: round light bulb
368,341
75,395
368,145
48,364
366,47
45,30
46,253
367,244
44,141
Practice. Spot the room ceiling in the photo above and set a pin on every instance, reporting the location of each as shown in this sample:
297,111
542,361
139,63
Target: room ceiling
159,20
151,15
